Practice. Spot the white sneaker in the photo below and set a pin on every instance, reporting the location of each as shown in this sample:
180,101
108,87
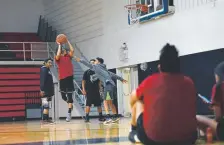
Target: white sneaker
68,119
133,137
115,119
107,121
50,122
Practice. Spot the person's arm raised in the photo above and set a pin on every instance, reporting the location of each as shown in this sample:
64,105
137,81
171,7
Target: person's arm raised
57,57
71,49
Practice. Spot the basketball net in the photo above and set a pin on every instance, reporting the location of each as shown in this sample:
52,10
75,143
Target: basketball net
134,12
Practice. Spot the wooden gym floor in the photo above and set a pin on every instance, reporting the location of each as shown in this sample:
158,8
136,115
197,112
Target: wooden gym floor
63,133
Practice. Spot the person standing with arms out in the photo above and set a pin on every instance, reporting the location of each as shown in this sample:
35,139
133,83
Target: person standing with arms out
105,77
91,89
46,89
65,69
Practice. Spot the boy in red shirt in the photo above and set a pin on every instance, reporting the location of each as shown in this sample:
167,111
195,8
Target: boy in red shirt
164,105
65,69
217,105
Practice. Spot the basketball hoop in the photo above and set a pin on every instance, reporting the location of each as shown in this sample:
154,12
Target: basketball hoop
134,11
143,8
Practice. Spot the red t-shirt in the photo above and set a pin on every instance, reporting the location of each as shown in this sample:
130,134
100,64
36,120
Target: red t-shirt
65,67
218,97
169,107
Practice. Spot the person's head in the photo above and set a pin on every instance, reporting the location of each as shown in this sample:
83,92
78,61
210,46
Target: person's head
63,52
48,63
219,73
169,61
92,61
99,60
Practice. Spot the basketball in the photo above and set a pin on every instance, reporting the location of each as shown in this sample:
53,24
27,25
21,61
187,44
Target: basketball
61,38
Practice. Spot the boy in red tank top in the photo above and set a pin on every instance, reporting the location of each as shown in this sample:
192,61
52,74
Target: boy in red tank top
65,69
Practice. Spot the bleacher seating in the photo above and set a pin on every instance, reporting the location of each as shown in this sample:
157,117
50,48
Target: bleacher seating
19,37
6,55
19,86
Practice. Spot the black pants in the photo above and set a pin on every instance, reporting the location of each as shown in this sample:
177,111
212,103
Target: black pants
147,141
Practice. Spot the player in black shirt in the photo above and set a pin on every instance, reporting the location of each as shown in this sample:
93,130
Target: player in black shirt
91,89
46,89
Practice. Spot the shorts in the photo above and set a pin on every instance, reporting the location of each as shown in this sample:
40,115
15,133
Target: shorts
67,85
146,140
220,130
49,97
108,93
93,97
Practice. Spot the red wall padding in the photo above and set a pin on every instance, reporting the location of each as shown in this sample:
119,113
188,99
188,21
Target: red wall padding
19,76
19,82
16,84
12,101
12,107
19,70
12,95
12,114
19,89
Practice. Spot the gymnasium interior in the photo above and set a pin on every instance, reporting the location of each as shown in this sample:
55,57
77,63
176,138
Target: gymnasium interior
127,34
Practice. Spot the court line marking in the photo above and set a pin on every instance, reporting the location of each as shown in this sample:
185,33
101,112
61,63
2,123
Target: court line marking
81,141
19,131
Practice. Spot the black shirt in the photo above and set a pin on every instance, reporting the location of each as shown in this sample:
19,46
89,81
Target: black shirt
89,85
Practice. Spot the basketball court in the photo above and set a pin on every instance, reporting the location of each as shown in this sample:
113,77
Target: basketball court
33,132
63,133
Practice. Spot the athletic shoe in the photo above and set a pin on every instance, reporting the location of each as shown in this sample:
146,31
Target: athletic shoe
107,121
102,119
115,119
50,122
87,120
47,122
133,137
69,117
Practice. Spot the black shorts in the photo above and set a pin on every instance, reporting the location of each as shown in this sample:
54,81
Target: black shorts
93,97
220,130
147,141
67,85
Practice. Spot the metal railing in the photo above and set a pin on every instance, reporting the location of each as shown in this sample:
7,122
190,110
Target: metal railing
24,50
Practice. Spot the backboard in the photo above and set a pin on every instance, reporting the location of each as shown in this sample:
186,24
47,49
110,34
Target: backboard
154,9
